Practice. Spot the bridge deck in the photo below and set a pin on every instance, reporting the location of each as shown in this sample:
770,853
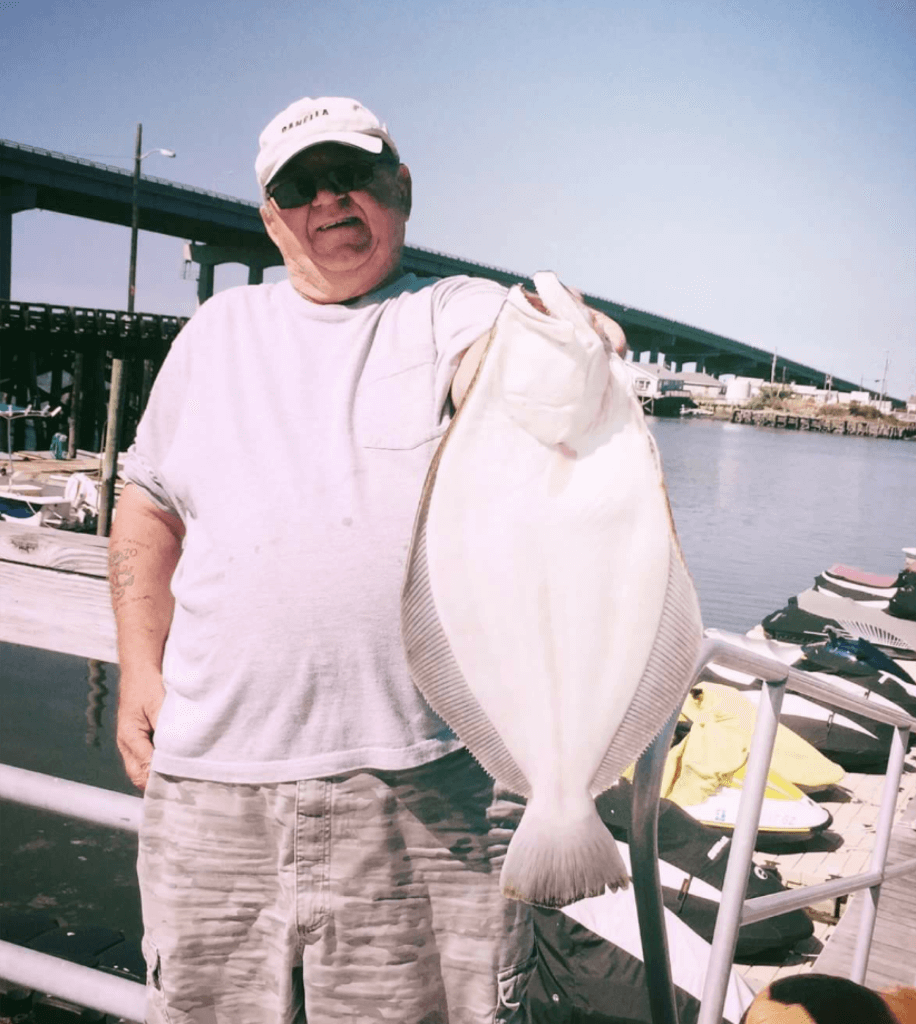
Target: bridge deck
35,178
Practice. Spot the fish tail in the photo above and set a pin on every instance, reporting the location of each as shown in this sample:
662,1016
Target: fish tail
554,860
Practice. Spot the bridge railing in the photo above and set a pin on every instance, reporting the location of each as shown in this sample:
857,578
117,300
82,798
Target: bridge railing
79,327
21,147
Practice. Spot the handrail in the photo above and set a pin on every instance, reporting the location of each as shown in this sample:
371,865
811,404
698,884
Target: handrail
734,886
762,907
879,853
73,982
647,885
770,670
73,799
733,909
31,969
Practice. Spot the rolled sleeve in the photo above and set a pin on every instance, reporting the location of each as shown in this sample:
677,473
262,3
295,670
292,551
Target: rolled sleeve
157,431
137,469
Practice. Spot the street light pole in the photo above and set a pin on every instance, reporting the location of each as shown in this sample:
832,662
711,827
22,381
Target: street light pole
116,394
134,223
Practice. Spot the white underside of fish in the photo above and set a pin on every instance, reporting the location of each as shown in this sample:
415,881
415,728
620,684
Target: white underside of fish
548,615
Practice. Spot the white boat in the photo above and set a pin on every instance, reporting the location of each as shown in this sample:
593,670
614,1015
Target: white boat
54,499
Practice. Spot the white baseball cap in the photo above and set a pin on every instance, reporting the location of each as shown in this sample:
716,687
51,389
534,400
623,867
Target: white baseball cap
309,122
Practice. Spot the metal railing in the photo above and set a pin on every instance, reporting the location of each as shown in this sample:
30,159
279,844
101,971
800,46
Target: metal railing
733,909
53,975
126,999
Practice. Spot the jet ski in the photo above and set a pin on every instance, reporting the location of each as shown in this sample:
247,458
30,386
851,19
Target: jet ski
731,718
692,863
787,815
871,589
870,596
896,637
855,656
855,742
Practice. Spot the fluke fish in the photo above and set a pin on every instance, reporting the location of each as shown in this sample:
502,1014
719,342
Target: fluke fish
547,612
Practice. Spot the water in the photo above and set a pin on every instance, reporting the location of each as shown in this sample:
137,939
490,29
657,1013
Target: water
59,718
759,513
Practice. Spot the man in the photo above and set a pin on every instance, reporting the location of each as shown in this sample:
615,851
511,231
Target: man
316,842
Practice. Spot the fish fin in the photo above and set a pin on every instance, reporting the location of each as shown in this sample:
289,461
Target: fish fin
436,672
553,373
666,677
552,863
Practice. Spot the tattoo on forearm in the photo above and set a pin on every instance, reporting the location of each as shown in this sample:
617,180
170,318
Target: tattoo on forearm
121,568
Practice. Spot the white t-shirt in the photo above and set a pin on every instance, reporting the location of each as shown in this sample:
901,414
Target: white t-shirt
293,440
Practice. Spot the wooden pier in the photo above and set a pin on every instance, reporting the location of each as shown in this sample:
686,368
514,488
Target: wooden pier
856,426
54,591
40,337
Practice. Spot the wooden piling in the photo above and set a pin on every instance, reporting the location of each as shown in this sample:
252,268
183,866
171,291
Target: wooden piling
76,398
790,421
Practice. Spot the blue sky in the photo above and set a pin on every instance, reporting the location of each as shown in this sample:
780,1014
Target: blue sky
747,167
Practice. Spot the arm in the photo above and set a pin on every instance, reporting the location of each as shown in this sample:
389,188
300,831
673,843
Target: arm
143,552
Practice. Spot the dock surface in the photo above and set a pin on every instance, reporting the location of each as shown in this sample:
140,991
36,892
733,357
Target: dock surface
846,850
893,950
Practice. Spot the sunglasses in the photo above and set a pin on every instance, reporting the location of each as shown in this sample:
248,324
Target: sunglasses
301,189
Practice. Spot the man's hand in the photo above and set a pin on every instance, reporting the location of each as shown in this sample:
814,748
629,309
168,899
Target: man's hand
139,701
143,551
610,332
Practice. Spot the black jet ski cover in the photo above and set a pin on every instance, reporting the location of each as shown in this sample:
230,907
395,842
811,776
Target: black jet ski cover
794,625
702,853
581,977
903,603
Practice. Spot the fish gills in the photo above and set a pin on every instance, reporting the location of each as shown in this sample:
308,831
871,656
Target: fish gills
547,613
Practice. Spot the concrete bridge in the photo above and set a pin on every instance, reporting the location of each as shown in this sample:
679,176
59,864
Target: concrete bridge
227,230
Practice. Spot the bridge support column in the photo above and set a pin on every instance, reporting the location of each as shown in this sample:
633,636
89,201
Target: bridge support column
6,253
210,256
14,200
205,283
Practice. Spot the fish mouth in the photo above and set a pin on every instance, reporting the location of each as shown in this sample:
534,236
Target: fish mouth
344,222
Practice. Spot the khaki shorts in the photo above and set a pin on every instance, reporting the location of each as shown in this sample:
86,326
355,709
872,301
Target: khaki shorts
372,896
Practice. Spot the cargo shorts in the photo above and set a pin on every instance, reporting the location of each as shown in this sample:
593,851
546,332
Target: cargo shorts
372,896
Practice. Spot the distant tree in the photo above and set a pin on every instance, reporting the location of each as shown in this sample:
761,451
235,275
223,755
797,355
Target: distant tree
771,396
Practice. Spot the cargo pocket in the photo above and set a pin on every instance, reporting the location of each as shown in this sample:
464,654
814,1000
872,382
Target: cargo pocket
156,1010
397,412
512,988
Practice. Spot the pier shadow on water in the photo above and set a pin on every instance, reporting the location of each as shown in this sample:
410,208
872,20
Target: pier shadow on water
59,719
